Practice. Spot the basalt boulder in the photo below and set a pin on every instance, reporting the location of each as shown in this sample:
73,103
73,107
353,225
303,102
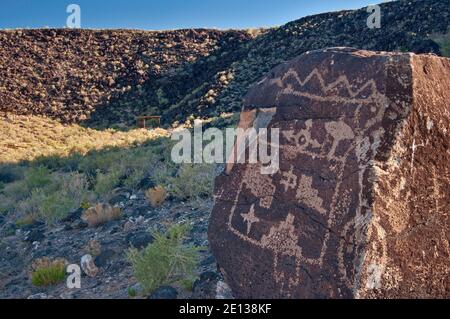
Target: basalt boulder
359,207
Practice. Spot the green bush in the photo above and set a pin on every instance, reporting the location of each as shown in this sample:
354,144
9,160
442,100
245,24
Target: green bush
10,173
37,178
134,178
66,192
166,261
6,204
444,43
106,182
34,178
48,273
192,182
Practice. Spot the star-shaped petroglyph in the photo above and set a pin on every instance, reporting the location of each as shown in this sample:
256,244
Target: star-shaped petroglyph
289,180
250,218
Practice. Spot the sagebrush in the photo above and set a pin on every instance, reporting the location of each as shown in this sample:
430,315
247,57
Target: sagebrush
166,261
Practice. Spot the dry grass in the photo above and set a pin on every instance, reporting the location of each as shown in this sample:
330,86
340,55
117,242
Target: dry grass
46,272
29,137
101,214
156,196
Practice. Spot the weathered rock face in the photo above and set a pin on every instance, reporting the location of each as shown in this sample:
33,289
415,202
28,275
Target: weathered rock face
359,207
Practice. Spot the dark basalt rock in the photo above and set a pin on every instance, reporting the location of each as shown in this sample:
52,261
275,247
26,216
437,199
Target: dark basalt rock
35,235
104,258
73,216
146,183
358,206
139,240
206,286
165,292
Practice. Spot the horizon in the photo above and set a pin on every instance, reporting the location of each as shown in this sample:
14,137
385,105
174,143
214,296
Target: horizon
167,15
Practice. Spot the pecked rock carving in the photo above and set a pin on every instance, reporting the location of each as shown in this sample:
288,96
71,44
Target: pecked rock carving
360,205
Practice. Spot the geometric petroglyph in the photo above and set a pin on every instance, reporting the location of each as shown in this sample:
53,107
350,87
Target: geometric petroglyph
260,185
308,195
300,147
289,180
250,218
303,230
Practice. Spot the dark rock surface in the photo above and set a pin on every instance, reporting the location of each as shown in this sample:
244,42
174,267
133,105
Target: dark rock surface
358,206
206,285
139,240
165,292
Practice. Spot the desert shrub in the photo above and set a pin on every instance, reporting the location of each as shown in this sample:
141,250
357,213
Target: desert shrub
134,178
101,214
34,178
38,177
106,182
162,100
444,43
132,292
193,181
6,204
71,192
47,272
53,202
10,173
166,261
156,196
25,221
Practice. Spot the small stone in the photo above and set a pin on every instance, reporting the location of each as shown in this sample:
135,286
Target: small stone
146,183
118,199
35,235
93,248
129,225
115,230
73,216
223,291
164,292
88,266
205,287
139,240
104,258
80,224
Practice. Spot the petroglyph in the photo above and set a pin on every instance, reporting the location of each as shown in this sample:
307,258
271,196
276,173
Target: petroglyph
301,144
323,214
289,180
250,218
308,195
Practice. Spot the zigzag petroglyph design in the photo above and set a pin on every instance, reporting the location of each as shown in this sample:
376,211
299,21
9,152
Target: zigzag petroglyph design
329,92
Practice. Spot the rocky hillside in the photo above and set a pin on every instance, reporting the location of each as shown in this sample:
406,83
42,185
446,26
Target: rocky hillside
67,74
106,78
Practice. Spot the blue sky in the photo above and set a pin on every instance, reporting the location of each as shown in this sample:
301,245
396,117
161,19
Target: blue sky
166,14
